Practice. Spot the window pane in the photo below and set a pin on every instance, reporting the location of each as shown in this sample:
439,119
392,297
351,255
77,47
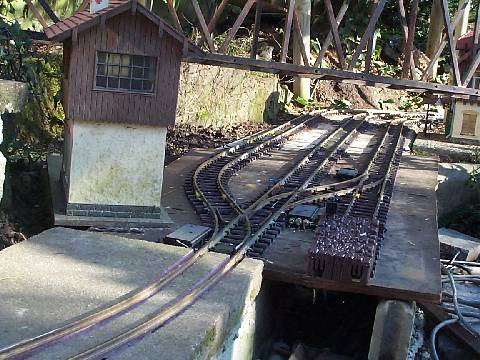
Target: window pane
147,85
125,72
137,72
125,84
113,70
112,83
125,60
136,84
113,59
101,81
100,69
101,57
146,73
137,60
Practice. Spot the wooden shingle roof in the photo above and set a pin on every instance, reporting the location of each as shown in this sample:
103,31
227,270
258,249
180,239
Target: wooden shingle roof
83,20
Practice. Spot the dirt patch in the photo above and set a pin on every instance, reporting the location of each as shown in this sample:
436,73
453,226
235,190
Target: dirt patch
361,97
183,137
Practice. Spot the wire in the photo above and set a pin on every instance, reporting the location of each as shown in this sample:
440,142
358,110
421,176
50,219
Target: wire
469,263
455,304
433,335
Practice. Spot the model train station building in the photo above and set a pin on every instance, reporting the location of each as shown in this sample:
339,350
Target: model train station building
466,114
121,76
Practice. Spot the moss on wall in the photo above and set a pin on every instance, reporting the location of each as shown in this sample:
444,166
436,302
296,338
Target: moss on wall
215,96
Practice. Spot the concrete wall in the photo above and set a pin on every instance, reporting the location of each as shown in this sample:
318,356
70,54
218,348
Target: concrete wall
116,164
215,96
13,95
453,190
461,107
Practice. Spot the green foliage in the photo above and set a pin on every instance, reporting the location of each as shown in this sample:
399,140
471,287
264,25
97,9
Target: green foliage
386,104
300,101
341,104
410,102
40,121
466,220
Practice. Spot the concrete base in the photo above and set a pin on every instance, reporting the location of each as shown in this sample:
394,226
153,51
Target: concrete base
62,274
452,191
392,330
59,203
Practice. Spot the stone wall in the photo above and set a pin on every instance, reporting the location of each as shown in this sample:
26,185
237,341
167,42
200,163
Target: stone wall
13,95
216,96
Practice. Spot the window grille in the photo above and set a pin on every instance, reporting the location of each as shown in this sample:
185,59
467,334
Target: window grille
124,72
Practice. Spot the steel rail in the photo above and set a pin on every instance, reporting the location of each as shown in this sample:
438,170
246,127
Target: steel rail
21,348
26,347
184,300
253,207
360,179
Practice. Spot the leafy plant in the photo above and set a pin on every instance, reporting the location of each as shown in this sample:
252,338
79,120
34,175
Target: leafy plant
341,104
40,121
410,102
300,101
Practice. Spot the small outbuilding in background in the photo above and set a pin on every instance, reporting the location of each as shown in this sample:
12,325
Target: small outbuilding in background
466,113
120,87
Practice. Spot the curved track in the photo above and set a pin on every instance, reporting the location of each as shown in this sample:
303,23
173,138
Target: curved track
240,232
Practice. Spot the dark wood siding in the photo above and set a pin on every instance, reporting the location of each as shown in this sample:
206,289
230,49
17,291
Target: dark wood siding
129,34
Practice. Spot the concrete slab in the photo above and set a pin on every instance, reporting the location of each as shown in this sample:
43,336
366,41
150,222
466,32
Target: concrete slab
59,203
452,241
452,191
59,275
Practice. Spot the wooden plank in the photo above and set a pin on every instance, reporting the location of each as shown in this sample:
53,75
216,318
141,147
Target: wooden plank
216,15
368,56
233,31
48,11
455,329
330,74
334,30
298,35
287,31
329,38
37,14
451,42
476,31
404,25
203,25
173,13
411,37
438,52
473,68
256,29
368,33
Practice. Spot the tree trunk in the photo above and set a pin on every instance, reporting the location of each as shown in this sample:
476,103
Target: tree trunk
301,86
462,25
435,29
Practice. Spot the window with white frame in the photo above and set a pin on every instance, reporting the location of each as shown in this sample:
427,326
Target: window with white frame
123,72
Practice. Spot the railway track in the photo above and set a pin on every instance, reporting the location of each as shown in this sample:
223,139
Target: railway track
236,231
347,245
27,347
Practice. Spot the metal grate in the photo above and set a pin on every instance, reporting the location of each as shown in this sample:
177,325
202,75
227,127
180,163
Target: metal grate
124,72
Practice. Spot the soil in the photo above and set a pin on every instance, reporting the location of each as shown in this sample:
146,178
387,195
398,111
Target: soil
361,97
182,138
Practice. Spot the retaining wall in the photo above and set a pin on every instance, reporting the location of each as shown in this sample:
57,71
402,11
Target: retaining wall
216,96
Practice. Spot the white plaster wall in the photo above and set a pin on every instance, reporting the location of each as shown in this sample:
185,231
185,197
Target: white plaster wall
117,164
460,107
